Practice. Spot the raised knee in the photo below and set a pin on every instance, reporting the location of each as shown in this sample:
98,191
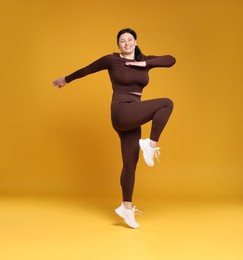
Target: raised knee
170,103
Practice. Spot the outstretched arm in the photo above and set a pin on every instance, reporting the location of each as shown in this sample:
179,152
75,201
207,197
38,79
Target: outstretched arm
98,65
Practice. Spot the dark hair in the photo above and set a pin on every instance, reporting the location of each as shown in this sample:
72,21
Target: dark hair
138,53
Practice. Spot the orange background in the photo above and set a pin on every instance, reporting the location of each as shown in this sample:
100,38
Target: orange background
62,142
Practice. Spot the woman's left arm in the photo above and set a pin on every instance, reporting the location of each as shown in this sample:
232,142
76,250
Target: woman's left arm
154,61
160,61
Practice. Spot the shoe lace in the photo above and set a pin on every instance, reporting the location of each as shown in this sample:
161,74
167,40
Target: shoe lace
136,211
156,153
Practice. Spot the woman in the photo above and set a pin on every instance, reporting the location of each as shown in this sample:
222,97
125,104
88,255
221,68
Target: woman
128,71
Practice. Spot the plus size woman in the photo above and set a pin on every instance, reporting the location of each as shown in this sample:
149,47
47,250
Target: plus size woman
128,71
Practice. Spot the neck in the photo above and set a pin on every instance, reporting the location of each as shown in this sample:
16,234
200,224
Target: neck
127,56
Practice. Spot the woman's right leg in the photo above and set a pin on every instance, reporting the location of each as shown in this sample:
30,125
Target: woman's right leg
130,154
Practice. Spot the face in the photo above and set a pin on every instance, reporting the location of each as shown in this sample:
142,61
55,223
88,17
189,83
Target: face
127,43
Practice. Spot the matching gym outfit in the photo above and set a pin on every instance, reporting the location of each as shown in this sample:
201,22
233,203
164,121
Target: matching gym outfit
128,112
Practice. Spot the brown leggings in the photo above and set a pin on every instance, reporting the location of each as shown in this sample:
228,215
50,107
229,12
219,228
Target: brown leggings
128,113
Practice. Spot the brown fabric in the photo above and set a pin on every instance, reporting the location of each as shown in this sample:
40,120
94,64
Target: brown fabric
124,78
128,113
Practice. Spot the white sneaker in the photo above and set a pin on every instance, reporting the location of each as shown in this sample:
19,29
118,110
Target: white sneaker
128,215
149,152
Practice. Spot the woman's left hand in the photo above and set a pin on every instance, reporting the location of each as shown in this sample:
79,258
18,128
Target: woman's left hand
136,63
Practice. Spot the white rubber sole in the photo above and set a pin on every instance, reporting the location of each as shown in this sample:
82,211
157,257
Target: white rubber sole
145,150
118,212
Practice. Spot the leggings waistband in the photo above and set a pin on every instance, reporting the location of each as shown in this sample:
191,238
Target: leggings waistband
126,96
128,93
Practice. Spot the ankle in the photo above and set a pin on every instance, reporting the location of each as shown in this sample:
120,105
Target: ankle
127,204
153,144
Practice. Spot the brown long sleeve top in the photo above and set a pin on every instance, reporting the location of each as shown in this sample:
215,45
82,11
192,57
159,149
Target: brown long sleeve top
124,78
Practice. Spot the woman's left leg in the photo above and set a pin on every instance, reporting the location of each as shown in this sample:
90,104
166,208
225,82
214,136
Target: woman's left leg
134,114
130,115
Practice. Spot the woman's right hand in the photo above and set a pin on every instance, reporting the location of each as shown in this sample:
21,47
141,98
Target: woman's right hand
61,82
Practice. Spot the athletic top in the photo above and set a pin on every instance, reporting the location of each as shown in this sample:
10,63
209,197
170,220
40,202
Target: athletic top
124,78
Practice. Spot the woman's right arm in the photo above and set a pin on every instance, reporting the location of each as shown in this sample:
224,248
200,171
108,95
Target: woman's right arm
61,82
98,65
